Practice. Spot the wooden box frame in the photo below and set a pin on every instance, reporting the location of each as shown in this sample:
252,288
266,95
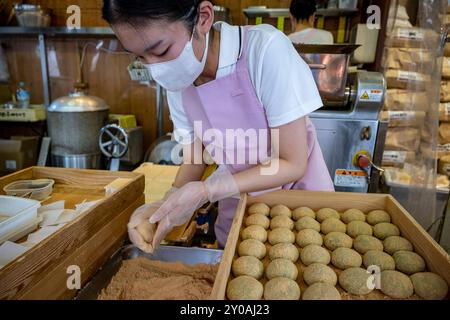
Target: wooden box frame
86,242
437,259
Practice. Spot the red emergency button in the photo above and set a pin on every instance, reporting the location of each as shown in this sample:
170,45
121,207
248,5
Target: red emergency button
363,161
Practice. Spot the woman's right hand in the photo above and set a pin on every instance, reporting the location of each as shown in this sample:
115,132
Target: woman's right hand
140,230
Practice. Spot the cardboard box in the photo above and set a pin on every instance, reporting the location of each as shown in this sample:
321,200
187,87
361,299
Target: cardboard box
18,153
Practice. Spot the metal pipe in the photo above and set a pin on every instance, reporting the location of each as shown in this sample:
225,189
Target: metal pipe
44,70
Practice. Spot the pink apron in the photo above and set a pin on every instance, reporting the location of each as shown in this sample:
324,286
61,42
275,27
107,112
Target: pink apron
231,103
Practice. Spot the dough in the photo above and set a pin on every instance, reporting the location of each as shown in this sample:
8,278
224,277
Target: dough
280,210
357,228
326,213
303,212
314,254
245,288
429,286
284,251
248,266
395,243
254,232
281,268
335,240
378,216
380,259
259,208
281,235
332,225
281,222
345,258
385,230
353,215
354,281
252,247
364,243
258,220
396,284
321,291
307,223
306,237
409,262
281,289
318,272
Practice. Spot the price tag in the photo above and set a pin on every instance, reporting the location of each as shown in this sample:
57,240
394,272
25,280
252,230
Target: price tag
410,34
397,157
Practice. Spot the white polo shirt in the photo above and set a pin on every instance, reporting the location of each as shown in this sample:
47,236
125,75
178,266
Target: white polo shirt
312,36
282,80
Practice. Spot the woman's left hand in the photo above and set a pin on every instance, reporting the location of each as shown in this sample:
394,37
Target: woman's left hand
181,205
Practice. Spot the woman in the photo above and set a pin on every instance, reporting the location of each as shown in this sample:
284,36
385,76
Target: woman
222,78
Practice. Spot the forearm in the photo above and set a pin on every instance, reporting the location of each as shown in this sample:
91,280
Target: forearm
189,173
278,173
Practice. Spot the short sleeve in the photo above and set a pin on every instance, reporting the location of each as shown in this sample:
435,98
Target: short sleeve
287,88
183,129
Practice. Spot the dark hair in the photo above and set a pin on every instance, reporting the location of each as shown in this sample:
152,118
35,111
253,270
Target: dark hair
141,12
303,9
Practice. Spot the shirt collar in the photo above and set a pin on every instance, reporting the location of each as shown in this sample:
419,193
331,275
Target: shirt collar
229,44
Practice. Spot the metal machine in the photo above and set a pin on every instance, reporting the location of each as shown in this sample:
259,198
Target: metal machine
349,132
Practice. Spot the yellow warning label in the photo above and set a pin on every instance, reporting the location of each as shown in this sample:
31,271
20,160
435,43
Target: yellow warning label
365,96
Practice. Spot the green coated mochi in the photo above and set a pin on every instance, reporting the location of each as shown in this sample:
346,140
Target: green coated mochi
321,291
365,243
332,225
314,254
345,258
282,268
380,259
396,284
385,230
306,237
335,240
281,289
355,281
358,228
396,243
326,213
284,251
378,216
409,262
353,215
307,223
429,286
245,288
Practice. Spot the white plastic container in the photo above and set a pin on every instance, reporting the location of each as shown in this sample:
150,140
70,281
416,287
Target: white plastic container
39,189
348,4
21,214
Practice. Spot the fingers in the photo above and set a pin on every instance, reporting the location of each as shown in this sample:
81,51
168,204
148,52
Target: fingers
147,231
138,241
161,232
162,212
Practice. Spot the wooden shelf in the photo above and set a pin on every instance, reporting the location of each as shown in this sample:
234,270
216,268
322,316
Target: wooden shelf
55,31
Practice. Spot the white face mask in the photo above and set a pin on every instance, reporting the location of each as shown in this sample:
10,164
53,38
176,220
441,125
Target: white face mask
180,73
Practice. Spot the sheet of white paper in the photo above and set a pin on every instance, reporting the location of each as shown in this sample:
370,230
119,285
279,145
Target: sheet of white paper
67,216
51,217
42,233
58,205
9,251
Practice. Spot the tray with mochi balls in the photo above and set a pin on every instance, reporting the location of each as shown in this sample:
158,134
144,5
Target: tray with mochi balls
302,250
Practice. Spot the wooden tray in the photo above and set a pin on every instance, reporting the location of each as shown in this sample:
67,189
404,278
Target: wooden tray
437,259
87,242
